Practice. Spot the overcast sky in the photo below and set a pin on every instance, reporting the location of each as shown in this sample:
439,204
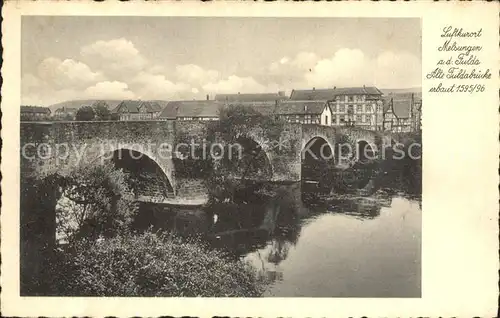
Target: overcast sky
67,58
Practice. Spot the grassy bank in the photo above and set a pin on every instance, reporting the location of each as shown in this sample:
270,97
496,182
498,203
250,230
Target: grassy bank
151,265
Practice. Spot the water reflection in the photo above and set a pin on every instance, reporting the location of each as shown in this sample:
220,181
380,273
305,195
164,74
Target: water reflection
330,246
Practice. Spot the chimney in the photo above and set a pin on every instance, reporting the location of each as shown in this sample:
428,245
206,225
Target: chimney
281,93
314,88
364,86
238,93
334,87
208,97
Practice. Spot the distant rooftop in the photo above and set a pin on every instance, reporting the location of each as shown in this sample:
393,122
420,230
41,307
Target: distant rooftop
132,106
300,107
330,93
35,109
249,97
191,108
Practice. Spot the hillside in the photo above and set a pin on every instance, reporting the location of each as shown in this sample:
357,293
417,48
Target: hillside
84,102
397,91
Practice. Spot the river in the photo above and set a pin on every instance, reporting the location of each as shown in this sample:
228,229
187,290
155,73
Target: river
335,246
360,248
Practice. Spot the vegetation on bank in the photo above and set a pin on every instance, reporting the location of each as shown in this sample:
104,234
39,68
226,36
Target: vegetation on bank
232,129
151,264
103,255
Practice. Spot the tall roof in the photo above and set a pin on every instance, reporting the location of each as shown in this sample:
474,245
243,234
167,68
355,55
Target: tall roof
364,90
35,110
249,97
330,93
400,107
133,106
129,106
66,109
192,108
169,110
405,95
300,107
312,94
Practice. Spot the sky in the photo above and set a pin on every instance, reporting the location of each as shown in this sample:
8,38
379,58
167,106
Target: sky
68,58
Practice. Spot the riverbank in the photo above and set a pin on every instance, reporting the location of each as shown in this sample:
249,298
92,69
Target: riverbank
150,264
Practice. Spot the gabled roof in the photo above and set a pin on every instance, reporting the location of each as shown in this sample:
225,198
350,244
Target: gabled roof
151,106
387,103
127,106
66,109
194,108
312,94
330,93
405,95
249,97
133,106
263,107
364,90
400,107
35,110
301,107
169,110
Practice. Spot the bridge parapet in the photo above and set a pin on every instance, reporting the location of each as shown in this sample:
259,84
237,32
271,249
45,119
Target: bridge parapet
51,147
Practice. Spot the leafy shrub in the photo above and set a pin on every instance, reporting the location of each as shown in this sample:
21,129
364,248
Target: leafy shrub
101,111
94,203
152,265
85,113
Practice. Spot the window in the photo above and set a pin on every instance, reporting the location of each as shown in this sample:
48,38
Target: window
341,108
358,118
359,108
326,120
350,98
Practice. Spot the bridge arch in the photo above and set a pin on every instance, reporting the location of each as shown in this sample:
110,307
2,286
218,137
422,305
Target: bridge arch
320,146
149,175
317,157
365,151
248,157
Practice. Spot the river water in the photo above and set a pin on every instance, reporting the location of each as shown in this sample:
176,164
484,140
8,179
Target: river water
335,246
360,247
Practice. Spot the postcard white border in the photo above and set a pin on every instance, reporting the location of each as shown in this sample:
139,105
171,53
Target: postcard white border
460,196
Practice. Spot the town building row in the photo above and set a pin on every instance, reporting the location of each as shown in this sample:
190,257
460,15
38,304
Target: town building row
365,107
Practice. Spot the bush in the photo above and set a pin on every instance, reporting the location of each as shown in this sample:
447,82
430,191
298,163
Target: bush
94,203
152,265
85,113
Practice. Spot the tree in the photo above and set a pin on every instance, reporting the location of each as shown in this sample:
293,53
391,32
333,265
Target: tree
232,127
85,113
101,111
94,203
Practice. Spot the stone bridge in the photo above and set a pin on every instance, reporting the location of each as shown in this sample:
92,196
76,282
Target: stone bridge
59,147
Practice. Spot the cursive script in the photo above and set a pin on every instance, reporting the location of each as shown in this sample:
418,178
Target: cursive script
459,61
